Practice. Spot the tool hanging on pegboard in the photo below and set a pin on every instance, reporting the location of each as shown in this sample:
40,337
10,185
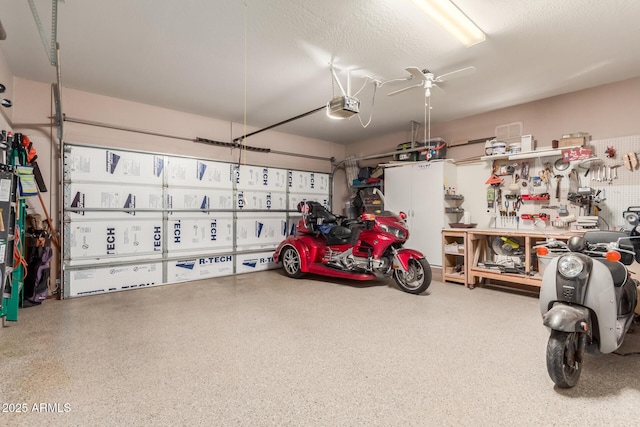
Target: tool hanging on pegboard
630,160
491,197
610,152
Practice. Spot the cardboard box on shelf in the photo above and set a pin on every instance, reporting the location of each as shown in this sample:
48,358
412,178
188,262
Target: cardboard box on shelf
571,142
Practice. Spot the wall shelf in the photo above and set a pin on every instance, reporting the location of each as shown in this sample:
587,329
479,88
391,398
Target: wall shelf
550,152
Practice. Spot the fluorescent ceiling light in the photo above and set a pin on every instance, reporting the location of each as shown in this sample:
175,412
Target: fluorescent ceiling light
453,20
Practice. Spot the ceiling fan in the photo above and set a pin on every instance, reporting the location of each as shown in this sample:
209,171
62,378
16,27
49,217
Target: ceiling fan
428,80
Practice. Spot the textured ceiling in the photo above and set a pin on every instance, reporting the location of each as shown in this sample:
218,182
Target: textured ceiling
208,57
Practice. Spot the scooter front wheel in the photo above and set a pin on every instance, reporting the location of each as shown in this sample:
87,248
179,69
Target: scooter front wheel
417,278
564,358
291,262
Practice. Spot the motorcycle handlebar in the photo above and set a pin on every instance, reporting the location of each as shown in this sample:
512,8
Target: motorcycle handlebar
592,249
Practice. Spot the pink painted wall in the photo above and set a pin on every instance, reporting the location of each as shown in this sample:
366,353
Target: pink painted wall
606,111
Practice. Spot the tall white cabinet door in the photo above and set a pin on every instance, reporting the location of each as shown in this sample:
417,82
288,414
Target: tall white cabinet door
428,210
397,190
418,190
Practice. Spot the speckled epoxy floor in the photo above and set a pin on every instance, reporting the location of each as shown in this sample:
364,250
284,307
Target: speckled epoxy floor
262,349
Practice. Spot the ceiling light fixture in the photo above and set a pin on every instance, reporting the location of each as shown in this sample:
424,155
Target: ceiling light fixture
453,20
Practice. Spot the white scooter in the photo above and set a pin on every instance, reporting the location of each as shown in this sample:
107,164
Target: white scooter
587,299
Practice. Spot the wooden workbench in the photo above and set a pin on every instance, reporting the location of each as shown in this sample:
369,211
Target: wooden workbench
478,250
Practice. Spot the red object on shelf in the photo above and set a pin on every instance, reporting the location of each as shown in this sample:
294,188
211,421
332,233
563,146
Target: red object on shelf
576,154
542,216
543,196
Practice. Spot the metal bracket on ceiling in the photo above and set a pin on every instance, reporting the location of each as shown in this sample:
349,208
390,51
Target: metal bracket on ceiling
50,48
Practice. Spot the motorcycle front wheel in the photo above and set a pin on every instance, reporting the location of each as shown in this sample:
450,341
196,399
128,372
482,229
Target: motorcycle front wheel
417,278
563,358
291,262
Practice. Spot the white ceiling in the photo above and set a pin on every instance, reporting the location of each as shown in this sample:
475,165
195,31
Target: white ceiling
206,57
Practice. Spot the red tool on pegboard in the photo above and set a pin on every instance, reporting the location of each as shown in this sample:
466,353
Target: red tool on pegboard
610,151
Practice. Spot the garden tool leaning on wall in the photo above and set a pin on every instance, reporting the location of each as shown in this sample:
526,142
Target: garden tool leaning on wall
32,156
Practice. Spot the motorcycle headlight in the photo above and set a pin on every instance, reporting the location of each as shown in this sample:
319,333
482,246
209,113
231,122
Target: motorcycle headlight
399,233
570,266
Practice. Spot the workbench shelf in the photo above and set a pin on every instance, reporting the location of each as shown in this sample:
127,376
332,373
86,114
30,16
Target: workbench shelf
478,251
454,249
464,252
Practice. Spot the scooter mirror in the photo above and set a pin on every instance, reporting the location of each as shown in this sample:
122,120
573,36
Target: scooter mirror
576,244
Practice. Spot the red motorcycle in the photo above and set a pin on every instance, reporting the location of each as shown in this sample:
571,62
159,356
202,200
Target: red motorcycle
363,249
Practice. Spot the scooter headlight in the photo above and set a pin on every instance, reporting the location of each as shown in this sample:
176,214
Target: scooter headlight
399,233
570,266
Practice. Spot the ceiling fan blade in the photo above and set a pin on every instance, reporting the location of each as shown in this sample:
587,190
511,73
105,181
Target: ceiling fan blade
455,74
416,73
404,88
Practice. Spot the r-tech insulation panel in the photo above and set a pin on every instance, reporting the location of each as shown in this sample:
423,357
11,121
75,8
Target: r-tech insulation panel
135,219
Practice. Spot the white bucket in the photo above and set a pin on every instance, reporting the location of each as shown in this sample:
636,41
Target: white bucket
545,260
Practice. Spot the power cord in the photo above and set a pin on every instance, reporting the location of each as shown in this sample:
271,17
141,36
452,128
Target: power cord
373,100
17,254
633,353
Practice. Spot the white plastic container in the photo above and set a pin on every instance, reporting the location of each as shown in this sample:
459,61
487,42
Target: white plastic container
499,147
545,260
527,143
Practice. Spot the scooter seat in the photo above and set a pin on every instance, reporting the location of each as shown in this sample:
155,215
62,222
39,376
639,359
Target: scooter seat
618,271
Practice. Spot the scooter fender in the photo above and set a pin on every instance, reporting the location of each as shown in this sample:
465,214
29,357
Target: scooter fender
404,255
566,318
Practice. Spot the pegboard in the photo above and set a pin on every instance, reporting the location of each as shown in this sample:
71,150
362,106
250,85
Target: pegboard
624,191
617,187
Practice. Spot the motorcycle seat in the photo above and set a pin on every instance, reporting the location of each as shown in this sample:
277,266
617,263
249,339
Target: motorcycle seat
338,235
618,271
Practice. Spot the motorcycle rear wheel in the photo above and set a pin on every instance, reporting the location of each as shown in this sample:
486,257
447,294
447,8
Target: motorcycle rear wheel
417,279
563,350
291,262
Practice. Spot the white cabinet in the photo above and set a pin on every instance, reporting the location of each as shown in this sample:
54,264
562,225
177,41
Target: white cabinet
418,190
